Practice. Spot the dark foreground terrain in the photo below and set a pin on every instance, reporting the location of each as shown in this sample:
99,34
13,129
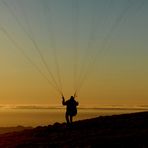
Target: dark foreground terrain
118,131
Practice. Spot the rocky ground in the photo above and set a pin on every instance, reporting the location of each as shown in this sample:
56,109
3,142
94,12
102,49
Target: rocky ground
117,131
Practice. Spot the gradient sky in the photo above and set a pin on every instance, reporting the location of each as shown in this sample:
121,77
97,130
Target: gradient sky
104,39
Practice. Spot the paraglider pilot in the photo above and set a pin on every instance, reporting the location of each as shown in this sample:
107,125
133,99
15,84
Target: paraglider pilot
71,109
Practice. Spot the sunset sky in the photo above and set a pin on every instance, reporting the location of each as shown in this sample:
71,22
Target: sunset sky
104,40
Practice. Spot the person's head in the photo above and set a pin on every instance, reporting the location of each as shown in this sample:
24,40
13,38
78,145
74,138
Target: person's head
72,98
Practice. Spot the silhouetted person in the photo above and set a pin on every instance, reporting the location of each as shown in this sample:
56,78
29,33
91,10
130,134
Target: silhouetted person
71,109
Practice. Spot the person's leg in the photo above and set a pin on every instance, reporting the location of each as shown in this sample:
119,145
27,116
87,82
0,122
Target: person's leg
67,118
71,117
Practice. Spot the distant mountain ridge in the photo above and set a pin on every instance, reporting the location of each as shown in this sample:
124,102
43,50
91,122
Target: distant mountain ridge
13,129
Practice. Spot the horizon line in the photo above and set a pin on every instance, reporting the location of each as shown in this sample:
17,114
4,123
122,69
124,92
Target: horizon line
95,107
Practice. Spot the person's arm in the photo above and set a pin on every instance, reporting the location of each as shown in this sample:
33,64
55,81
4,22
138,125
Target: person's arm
76,103
63,100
